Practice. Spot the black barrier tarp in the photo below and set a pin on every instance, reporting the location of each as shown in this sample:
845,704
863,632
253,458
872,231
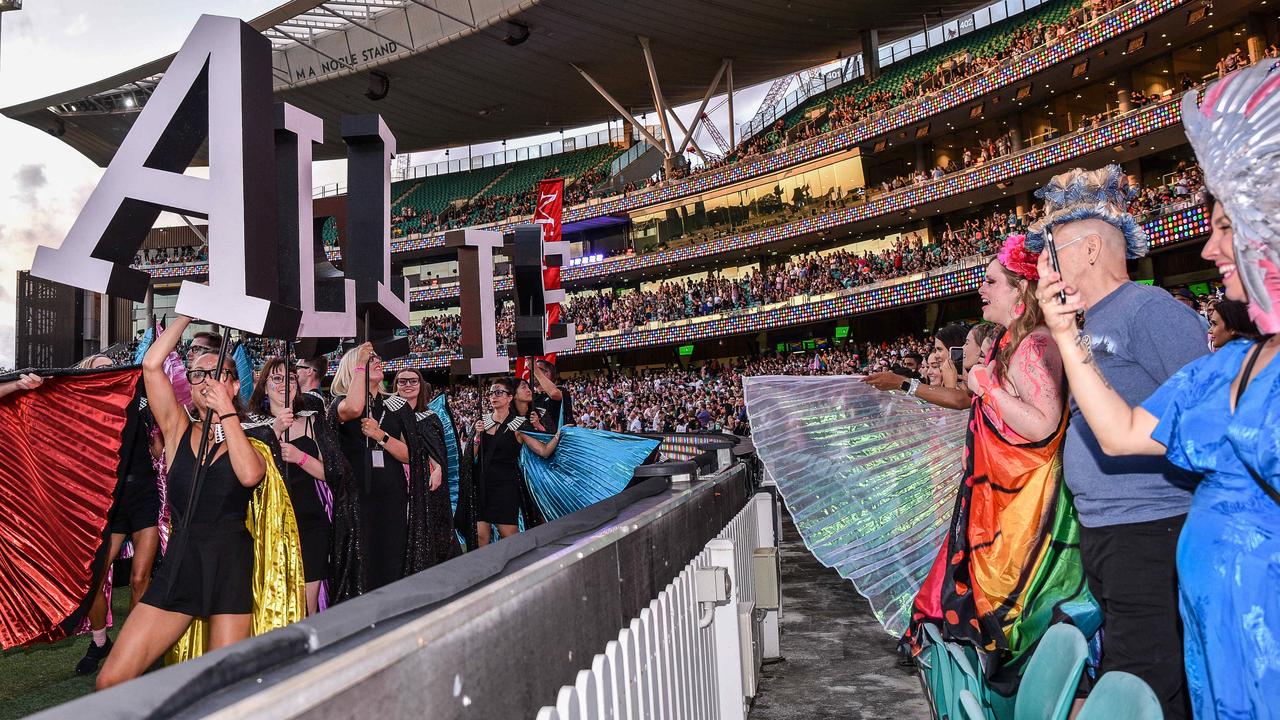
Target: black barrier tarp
168,692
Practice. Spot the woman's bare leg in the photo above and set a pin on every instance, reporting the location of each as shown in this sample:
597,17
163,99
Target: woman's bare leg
506,531
483,533
98,610
225,630
147,634
313,597
146,543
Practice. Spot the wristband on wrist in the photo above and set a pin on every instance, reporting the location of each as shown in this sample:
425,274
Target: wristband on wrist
303,461
385,439
915,385
228,415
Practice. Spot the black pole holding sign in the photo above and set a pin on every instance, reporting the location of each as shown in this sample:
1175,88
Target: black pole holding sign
288,404
368,412
202,455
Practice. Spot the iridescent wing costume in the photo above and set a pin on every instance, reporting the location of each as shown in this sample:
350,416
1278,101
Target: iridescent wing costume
869,477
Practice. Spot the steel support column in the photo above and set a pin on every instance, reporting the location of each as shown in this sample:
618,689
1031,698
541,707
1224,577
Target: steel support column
697,116
696,148
659,102
640,128
733,123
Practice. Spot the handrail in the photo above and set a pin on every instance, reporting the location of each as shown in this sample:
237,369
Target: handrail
608,136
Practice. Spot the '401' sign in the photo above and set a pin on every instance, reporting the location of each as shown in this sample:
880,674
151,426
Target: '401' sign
267,269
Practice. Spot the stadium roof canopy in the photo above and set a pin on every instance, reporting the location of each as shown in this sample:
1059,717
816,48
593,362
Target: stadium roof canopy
472,71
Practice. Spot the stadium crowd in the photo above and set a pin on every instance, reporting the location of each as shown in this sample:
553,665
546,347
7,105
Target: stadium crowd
705,398
855,103
805,274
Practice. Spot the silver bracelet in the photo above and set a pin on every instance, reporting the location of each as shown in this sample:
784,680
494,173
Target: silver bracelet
915,385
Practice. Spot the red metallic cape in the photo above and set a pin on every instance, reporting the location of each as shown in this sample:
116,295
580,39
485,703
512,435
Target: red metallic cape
59,463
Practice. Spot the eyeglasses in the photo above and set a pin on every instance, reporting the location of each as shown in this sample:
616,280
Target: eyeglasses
496,392
300,368
1073,241
195,377
199,349
407,381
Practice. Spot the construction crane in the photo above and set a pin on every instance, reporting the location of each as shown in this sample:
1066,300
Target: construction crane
714,132
777,89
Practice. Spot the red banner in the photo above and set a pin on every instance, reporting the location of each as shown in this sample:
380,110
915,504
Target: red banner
547,214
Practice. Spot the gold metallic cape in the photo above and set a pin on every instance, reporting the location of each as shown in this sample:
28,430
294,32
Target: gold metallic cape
279,588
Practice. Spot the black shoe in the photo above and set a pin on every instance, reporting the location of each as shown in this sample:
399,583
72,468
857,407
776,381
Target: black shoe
88,664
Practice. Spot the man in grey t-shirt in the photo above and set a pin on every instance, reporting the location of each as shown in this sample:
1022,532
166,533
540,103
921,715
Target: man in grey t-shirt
1131,509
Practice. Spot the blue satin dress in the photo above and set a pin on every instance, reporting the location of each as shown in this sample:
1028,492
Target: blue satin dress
1229,551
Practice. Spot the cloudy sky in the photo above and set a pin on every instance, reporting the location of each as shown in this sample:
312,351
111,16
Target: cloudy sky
53,45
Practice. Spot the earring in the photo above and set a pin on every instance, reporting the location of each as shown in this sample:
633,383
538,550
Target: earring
1020,308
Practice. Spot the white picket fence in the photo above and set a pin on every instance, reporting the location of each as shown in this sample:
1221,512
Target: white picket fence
683,659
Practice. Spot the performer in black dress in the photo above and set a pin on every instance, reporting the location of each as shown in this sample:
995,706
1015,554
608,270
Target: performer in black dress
500,495
415,390
380,531
208,571
300,444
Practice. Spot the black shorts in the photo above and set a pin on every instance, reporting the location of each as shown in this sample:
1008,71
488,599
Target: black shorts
138,507
213,577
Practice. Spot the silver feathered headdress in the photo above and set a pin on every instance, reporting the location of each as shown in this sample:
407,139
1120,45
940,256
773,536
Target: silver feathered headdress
1080,194
1236,135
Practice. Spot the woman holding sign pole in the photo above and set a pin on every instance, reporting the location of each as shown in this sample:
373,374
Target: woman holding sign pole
379,517
209,570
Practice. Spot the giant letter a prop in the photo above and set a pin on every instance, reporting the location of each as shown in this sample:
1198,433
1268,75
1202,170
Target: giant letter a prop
218,86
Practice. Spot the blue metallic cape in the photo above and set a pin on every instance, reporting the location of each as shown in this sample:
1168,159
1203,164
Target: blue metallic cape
586,467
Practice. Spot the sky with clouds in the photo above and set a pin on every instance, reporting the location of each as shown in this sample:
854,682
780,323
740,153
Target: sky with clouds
53,45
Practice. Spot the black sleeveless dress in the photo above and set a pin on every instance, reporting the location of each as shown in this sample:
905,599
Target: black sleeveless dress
384,503
498,491
209,567
313,520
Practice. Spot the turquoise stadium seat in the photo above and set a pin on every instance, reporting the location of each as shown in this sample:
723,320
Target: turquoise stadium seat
1049,683
1121,696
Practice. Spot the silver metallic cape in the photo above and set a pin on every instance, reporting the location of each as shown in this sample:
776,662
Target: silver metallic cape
1235,132
869,477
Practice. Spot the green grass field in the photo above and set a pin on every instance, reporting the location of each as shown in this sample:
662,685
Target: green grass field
42,676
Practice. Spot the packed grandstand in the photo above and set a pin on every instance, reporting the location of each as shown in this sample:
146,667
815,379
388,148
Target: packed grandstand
844,228
791,235
850,213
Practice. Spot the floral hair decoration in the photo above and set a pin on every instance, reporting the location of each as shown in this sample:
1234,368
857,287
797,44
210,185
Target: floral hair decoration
1015,257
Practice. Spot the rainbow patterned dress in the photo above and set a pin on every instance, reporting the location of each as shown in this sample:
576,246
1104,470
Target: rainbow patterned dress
1009,566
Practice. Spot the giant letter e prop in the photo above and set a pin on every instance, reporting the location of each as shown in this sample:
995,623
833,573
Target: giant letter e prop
218,86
